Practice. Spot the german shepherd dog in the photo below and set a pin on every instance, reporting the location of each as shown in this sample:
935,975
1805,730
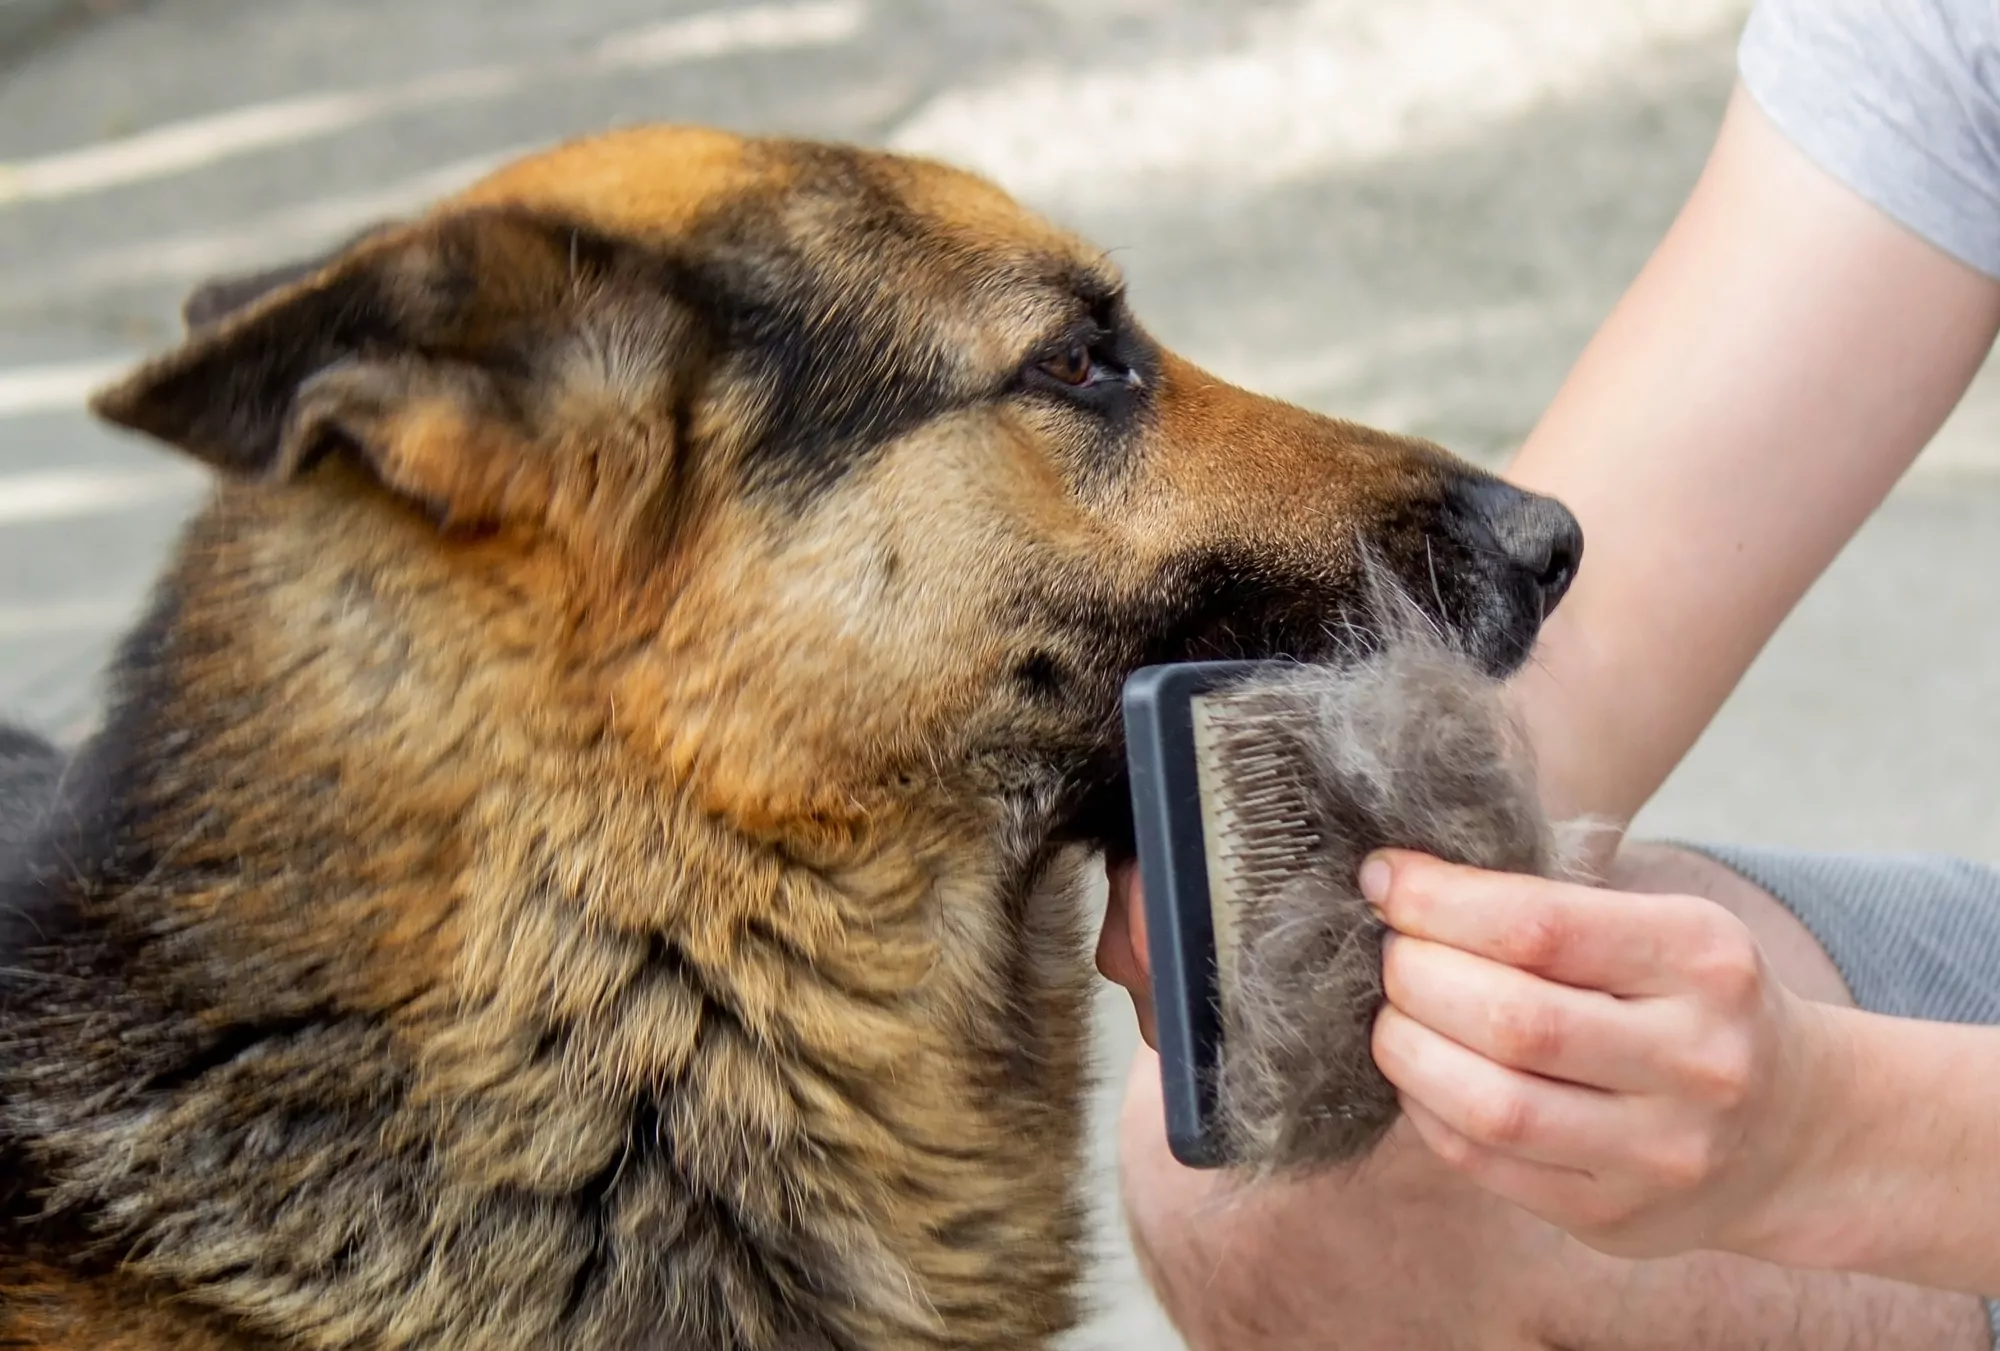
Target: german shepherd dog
586,847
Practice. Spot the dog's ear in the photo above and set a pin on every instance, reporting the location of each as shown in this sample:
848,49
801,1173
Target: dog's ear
408,351
219,297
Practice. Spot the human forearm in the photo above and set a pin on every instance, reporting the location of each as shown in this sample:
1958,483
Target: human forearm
1900,1175
1777,364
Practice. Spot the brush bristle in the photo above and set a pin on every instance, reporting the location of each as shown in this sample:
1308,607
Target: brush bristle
1304,774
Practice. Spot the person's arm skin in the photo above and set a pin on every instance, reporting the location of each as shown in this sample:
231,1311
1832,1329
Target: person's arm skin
1627,1067
1774,369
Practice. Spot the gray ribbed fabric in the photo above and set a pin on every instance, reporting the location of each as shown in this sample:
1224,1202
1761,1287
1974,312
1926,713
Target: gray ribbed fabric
1914,935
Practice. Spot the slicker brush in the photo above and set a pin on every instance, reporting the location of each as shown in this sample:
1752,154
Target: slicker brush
1258,790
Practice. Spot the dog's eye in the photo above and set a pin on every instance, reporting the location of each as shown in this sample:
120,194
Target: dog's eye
1074,367
1087,368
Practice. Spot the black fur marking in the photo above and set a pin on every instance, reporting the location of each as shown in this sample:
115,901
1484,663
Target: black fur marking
231,1044
837,367
220,297
30,769
1464,584
228,393
1223,605
596,1199
837,382
225,397
1215,605
1039,675
66,833
840,365
667,962
1127,356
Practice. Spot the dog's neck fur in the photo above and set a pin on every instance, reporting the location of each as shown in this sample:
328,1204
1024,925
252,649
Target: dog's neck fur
412,1002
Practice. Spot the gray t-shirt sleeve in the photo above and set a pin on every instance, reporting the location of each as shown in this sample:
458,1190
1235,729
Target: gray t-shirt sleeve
1898,99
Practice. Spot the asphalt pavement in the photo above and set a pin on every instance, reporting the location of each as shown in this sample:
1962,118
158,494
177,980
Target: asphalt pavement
1412,214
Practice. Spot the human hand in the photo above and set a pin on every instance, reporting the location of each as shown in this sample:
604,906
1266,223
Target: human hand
1121,943
1625,1066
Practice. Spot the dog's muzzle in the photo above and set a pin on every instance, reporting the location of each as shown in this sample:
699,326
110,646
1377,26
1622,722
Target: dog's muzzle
1525,547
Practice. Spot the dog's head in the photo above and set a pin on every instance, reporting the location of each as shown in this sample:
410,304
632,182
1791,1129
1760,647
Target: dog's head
840,475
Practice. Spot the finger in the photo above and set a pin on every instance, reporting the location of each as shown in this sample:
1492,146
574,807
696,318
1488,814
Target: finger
1561,1195
1118,956
1122,878
1520,1115
1120,952
1142,1013
1121,942
1135,917
1622,943
1522,1021
1483,1163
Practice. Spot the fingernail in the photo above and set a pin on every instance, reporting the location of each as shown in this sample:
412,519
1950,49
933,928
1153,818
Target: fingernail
1375,879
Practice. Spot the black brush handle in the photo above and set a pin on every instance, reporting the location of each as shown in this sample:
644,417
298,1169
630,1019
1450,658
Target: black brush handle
1173,868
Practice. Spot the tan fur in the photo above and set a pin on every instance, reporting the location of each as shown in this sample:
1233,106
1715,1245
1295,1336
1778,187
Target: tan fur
563,868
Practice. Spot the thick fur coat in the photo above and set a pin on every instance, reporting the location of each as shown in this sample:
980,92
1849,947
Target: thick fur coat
585,846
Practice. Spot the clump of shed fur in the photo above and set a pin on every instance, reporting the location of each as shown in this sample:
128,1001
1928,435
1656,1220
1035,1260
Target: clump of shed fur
1408,747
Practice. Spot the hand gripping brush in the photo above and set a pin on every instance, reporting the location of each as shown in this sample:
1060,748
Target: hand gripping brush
1258,790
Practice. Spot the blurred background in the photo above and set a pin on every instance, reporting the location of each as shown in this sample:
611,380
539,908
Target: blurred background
1409,213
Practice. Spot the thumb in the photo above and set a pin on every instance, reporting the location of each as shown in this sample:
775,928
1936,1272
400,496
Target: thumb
1121,945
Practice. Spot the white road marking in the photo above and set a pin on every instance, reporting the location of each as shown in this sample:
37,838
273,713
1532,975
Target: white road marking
27,390
177,147
1312,86
63,494
726,32
180,146
255,242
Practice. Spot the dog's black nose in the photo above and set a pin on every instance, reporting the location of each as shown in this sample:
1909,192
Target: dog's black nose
1536,536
